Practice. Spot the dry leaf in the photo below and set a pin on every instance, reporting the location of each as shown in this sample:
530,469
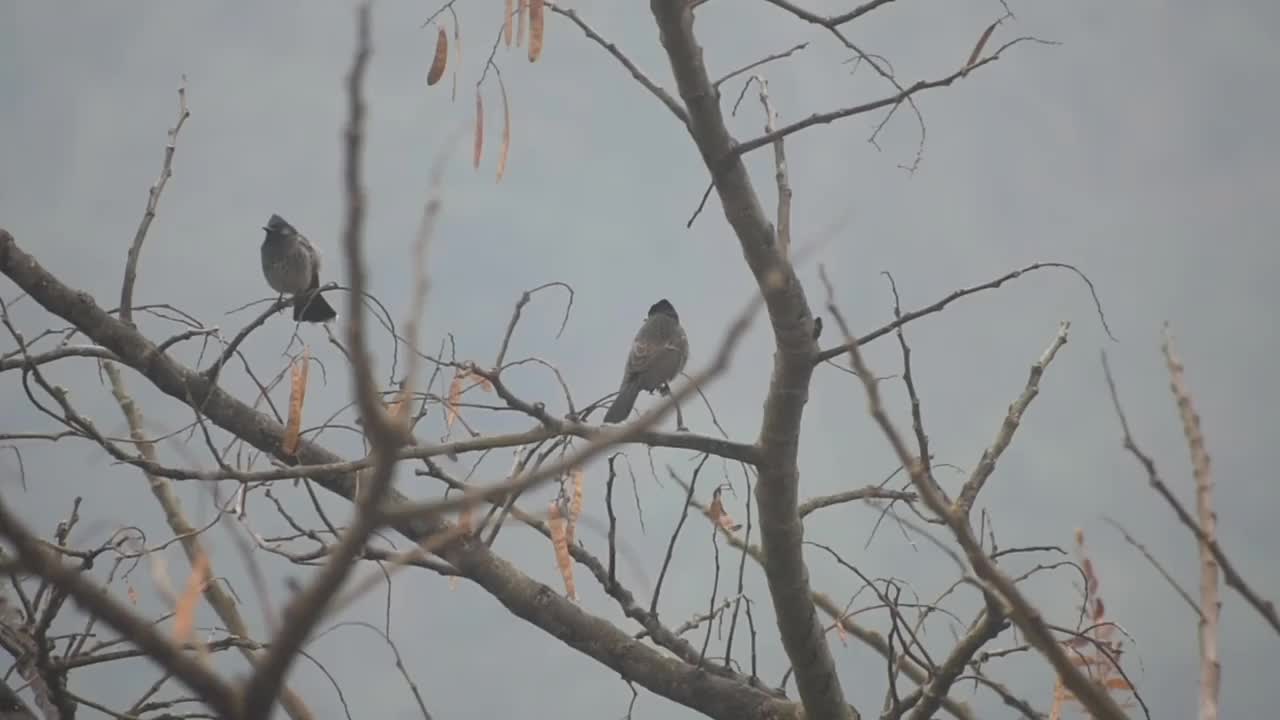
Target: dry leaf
536,8
398,408
133,595
399,405
506,23
842,633
479,130
982,42
522,15
716,512
441,59
506,144
559,540
1118,683
184,615
297,394
575,504
455,397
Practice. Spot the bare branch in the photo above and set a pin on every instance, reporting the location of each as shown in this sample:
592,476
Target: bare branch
1156,564
604,440
715,695
384,432
776,490
890,101
870,492
938,306
89,351
1210,602
832,21
94,600
153,202
762,61
987,463
663,96
1094,697
1233,579
867,636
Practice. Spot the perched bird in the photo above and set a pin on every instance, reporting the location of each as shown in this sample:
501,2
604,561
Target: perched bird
658,354
292,266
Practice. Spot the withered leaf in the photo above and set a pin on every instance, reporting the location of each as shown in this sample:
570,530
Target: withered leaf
536,27
441,58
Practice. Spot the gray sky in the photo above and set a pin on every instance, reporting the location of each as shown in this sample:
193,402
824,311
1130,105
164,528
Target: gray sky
1138,150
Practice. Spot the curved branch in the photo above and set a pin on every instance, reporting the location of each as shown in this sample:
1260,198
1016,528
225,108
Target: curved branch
895,99
716,696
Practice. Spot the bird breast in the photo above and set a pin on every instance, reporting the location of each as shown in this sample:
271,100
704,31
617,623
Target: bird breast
669,350
286,265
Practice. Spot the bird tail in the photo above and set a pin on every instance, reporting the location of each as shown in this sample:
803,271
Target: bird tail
312,307
625,400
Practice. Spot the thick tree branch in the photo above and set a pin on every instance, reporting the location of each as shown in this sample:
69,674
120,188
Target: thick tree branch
11,706
777,488
871,638
214,593
536,603
94,600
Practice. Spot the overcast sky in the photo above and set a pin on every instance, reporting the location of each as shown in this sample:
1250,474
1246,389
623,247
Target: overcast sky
1141,149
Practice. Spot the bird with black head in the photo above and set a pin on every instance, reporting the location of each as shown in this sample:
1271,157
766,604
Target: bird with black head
658,354
291,265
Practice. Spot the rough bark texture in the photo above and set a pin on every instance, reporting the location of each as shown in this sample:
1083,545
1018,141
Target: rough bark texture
789,315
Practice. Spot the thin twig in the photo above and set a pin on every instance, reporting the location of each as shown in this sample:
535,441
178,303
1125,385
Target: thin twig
1233,579
153,202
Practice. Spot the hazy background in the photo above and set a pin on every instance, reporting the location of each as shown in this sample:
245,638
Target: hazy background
1141,149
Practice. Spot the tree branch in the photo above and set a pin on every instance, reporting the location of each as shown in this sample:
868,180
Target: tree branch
91,597
532,601
1093,696
777,488
895,99
1233,578
1210,600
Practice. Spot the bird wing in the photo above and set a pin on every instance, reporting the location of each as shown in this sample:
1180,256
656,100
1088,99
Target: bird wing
311,252
642,355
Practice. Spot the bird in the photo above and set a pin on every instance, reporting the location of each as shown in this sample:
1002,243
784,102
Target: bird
657,356
291,265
